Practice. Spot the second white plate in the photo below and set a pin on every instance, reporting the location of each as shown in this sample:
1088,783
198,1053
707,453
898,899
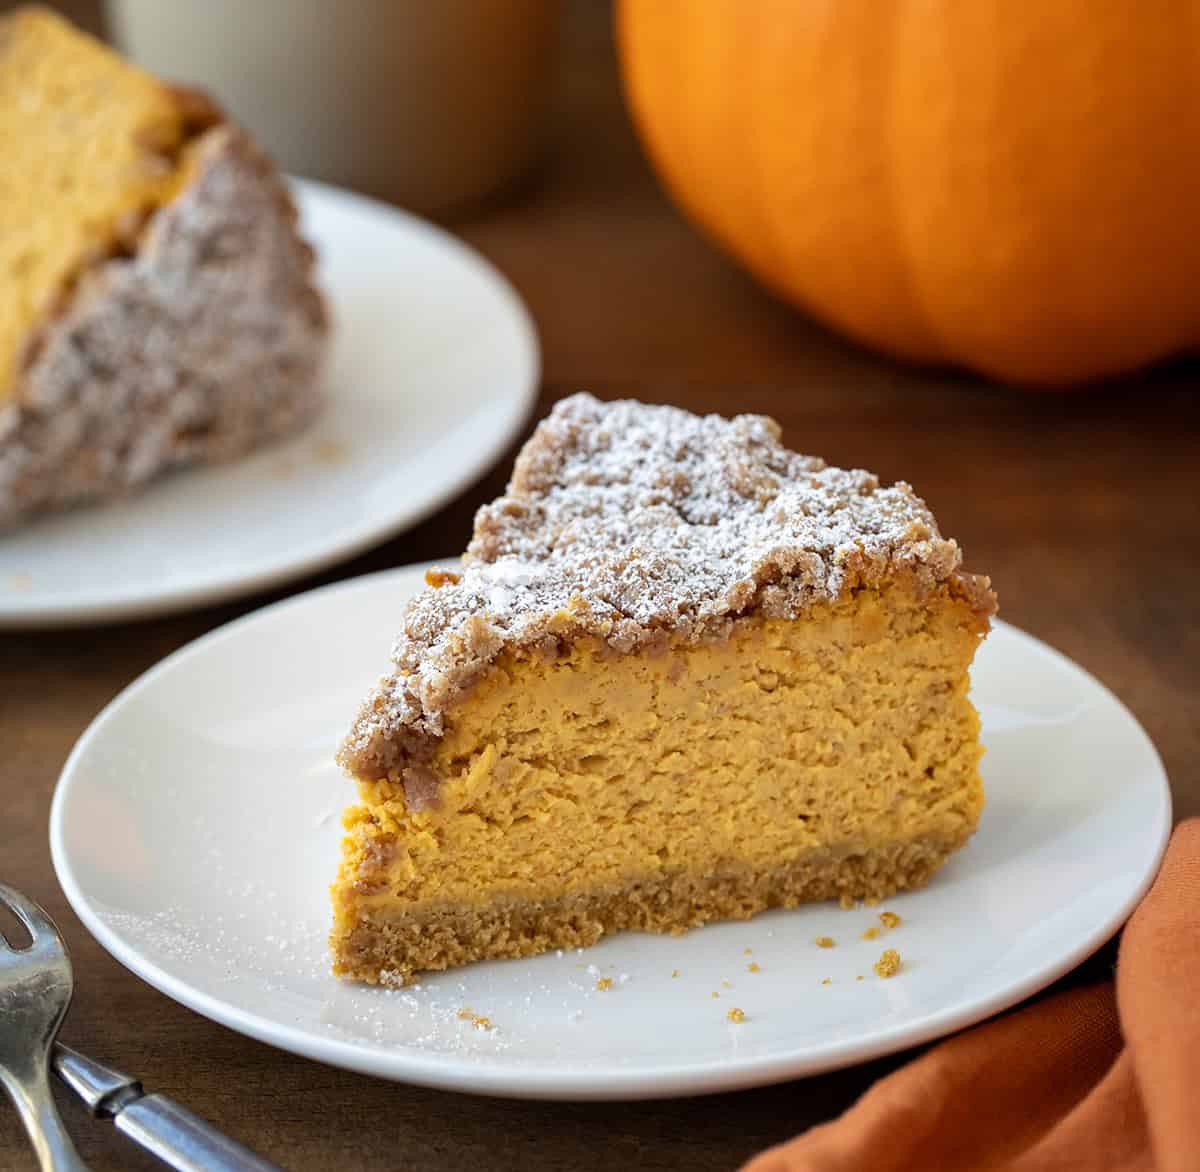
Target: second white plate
434,369
195,831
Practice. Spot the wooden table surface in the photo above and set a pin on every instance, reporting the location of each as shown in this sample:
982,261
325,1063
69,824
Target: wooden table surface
1083,508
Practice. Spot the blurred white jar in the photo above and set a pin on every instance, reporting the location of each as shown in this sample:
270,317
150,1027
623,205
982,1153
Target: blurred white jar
433,104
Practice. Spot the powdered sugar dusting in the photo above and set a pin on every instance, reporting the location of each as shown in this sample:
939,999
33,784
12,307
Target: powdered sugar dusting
630,523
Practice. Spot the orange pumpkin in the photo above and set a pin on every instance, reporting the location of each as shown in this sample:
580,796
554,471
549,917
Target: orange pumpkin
1009,187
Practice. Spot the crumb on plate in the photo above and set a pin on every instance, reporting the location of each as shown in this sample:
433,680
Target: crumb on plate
331,451
476,1019
888,965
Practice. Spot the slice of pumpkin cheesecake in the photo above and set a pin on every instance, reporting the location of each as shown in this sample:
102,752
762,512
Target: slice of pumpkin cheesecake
682,674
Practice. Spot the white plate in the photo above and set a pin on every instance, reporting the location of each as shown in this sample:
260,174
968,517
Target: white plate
195,832
433,370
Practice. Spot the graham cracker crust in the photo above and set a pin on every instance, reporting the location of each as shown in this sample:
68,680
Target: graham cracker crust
391,948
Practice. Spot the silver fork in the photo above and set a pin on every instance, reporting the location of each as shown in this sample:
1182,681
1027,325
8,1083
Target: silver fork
35,990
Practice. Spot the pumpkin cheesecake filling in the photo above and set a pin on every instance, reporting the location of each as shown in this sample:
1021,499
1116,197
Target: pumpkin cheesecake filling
832,756
556,758
91,148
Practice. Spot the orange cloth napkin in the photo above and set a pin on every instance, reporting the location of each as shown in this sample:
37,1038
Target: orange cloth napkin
1102,1078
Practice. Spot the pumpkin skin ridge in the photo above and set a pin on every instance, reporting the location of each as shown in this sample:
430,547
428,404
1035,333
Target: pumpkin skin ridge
1076,275
675,152
667,145
1054,349
875,242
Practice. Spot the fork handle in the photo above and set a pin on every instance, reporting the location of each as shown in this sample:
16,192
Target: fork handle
184,1140
34,1103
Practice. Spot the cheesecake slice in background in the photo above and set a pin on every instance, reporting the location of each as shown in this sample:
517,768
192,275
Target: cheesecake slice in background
157,307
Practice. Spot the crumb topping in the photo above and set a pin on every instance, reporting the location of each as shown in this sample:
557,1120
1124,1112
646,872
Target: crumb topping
825,942
735,1015
627,523
890,920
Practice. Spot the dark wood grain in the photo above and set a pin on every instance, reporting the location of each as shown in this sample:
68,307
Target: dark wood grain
1083,508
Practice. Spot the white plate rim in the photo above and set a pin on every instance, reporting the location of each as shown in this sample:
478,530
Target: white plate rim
24,612
446,1072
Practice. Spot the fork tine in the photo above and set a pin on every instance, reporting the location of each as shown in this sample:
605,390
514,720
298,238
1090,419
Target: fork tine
41,927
